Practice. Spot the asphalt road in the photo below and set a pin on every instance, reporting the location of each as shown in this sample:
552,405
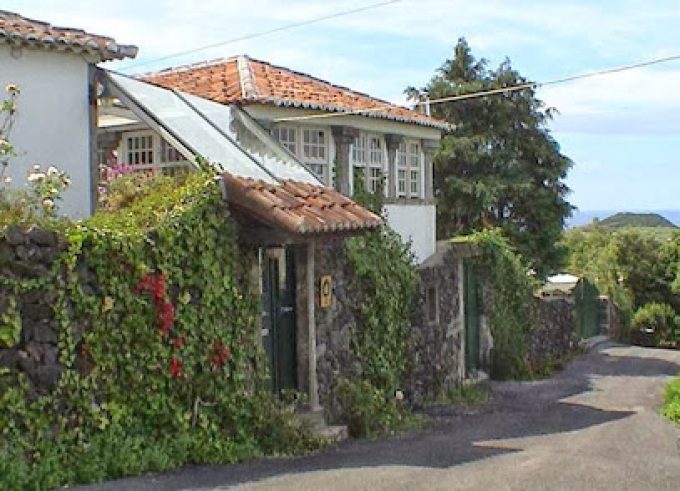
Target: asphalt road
595,425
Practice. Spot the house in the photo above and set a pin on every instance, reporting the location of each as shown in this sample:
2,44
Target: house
291,149
342,135
54,69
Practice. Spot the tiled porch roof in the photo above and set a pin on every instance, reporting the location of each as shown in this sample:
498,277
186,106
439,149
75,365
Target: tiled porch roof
245,80
298,208
21,31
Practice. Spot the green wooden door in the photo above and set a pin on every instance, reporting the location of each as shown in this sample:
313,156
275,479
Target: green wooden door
278,290
471,295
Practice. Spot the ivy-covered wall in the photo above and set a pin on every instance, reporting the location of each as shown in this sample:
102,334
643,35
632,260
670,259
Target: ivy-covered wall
131,343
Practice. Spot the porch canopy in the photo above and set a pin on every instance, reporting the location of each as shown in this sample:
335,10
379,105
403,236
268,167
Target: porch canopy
292,211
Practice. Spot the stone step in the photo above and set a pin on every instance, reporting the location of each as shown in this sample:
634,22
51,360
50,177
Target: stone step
333,434
315,421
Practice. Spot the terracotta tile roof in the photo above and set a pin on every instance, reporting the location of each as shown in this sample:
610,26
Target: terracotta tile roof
21,31
245,80
299,208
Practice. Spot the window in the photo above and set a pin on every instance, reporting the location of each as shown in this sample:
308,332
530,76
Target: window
287,137
432,305
314,151
169,153
310,145
147,150
408,170
368,159
139,148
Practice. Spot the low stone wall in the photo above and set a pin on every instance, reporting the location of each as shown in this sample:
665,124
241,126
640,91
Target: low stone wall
30,255
553,335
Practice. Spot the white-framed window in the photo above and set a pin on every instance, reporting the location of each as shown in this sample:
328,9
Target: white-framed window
138,148
409,170
287,136
147,150
368,158
308,144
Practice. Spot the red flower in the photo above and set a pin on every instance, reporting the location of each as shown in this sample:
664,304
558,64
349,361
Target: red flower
176,368
221,355
179,342
165,314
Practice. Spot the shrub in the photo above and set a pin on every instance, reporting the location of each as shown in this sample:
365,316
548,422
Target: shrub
652,323
671,407
369,411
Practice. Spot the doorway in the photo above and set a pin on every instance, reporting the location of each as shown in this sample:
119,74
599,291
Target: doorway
279,320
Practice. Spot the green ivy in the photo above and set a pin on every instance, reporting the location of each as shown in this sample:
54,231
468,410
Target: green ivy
509,306
134,397
386,279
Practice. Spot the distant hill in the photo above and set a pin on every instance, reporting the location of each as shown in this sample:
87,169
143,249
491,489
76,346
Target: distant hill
620,220
585,217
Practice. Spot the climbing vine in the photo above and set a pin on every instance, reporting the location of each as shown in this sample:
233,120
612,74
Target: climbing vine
509,307
386,279
159,348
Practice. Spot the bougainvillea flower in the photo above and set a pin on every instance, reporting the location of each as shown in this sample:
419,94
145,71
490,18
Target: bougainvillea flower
176,368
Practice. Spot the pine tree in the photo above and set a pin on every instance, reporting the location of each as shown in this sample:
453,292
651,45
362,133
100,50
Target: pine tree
500,167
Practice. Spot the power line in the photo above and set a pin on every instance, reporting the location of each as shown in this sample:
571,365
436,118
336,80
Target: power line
265,33
502,90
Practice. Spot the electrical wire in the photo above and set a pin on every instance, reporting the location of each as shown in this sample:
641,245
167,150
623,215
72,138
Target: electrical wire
502,90
264,33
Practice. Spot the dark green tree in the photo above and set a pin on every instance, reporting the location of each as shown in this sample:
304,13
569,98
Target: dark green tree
500,167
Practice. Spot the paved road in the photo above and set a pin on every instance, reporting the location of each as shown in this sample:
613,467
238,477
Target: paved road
593,426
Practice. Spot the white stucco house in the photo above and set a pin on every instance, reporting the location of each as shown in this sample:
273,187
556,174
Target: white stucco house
342,135
54,69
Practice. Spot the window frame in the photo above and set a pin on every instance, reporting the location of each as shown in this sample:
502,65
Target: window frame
409,169
299,145
125,150
370,146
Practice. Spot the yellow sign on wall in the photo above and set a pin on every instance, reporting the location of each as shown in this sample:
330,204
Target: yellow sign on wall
326,291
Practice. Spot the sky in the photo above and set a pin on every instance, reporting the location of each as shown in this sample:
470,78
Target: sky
622,131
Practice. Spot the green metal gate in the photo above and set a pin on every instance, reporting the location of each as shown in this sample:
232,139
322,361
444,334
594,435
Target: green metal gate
472,300
278,296
587,309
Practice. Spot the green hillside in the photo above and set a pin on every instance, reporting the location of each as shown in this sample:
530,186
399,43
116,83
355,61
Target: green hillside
621,220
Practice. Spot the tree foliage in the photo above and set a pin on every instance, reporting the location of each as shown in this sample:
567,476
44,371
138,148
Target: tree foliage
633,266
500,167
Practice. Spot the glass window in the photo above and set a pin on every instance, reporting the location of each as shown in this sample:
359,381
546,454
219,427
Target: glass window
139,149
367,160
286,136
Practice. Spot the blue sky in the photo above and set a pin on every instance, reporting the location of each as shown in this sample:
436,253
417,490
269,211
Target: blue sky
622,131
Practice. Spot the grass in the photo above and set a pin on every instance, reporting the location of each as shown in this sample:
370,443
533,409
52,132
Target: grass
671,408
464,395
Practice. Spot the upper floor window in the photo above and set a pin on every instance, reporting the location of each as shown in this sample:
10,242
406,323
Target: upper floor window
287,136
409,170
310,145
368,160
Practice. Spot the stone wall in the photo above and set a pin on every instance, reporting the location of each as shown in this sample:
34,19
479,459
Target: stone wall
436,349
334,324
29,255
553,335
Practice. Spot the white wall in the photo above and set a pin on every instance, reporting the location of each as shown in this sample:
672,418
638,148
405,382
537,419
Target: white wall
51,125
416,223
